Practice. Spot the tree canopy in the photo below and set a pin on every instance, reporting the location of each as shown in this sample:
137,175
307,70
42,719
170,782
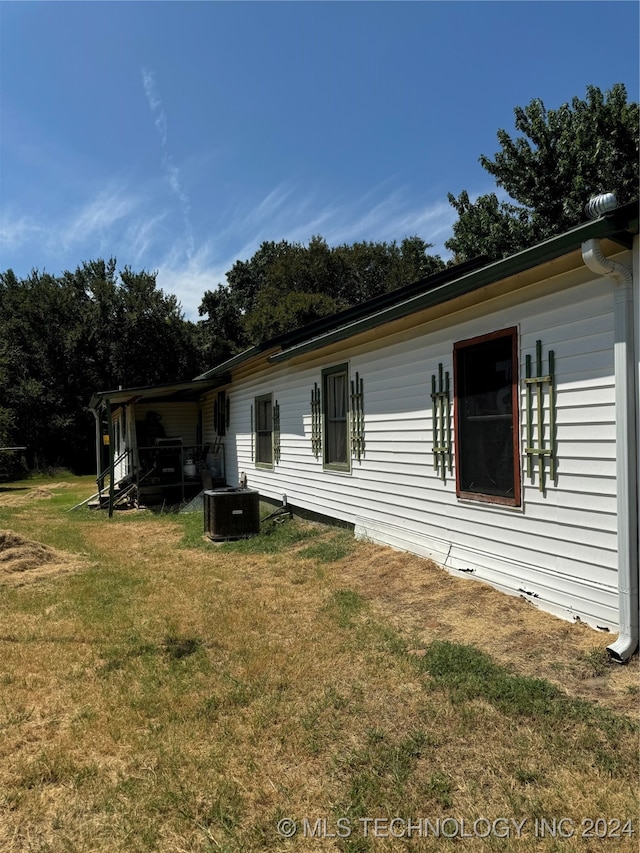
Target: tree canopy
287,285
560,159
62,338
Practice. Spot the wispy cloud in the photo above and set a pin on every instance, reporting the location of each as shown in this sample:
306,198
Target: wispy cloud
171,170
383,213
113,220
155,105
92,224
142,235
284,213
94,220
133,223
14,233
391,217
204,271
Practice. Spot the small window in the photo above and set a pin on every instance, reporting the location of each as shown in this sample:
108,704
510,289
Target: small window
486,418
221,413
264,431
335,388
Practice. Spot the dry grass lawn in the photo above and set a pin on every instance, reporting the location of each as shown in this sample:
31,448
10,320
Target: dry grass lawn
422,600
24,561
173,695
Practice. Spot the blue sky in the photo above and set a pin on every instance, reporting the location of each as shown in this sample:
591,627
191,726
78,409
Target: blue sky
179,136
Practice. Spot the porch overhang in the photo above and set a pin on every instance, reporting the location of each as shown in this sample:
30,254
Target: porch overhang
176,392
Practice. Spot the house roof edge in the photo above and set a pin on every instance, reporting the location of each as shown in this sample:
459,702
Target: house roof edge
616,223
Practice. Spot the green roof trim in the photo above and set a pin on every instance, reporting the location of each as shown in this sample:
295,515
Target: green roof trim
221,369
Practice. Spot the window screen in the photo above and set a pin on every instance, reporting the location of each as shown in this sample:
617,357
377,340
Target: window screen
487,456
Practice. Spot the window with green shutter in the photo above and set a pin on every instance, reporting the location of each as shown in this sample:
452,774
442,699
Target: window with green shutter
335,399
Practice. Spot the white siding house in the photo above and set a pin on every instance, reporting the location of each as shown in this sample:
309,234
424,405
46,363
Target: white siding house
558,546
486,418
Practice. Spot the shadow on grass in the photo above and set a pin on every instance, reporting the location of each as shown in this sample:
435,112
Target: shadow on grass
468,673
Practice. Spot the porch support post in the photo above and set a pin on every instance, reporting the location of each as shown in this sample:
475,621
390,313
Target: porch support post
111,459
99,475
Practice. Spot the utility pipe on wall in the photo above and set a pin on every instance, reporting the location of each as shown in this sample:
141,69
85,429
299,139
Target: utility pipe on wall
626,450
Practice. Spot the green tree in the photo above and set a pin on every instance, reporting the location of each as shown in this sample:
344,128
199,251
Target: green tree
561,159
6,416
246,278
222,332
64,338
288,285
38,317
154,343
488,227
277,312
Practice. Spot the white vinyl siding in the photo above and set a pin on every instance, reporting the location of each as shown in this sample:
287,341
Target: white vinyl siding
119,431
559,548
178,420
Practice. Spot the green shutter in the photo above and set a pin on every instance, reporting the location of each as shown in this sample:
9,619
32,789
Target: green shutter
276,432
441,418
541,439
316,422
221,413
357,417
252,436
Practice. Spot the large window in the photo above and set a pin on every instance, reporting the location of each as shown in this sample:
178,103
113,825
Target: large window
335,396
486,418
264,431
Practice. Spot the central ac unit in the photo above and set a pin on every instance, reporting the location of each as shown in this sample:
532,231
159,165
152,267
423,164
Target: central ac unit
231,513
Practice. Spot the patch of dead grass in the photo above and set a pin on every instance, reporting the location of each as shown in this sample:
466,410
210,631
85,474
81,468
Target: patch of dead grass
24,561
20,495
425,602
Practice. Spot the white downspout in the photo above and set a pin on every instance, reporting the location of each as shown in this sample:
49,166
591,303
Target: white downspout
626,452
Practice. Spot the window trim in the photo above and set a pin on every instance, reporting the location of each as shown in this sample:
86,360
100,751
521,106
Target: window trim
263,398
341,467
481,497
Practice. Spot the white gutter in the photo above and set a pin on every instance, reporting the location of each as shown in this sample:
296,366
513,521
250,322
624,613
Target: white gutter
626,449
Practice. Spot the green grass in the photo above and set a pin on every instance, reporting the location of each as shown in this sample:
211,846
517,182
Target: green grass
275,535
331,549
344,606
179,695
468,673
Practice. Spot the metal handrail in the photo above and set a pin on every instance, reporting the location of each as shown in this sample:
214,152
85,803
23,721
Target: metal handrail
107,470
134,468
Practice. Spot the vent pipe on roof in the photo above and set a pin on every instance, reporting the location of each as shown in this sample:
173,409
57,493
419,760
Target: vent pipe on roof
600,204
626,467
